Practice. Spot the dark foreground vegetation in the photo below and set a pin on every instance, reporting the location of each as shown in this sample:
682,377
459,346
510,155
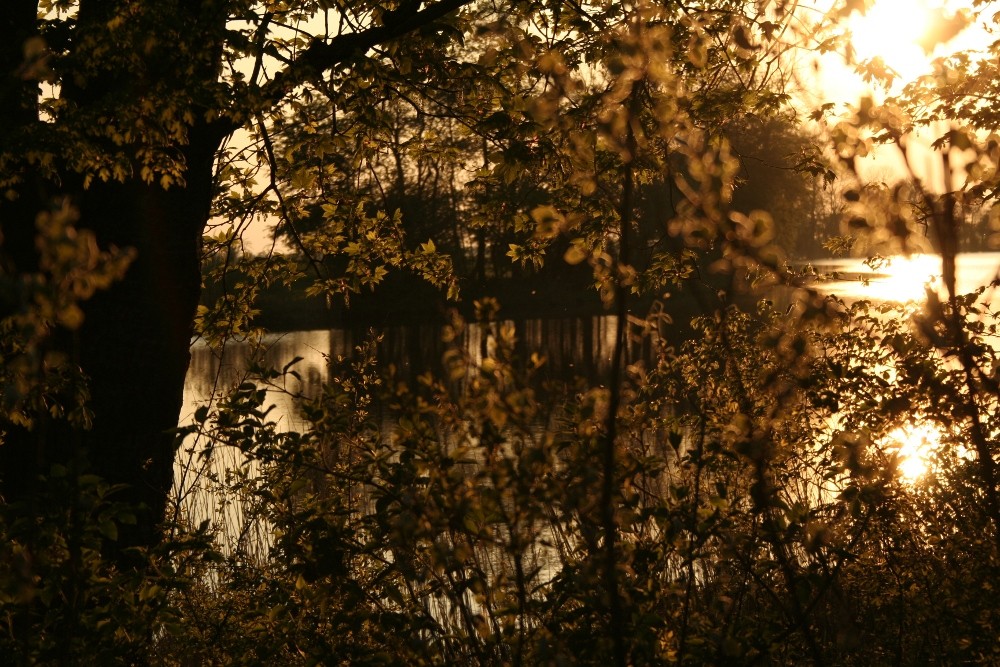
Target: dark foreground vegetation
733,497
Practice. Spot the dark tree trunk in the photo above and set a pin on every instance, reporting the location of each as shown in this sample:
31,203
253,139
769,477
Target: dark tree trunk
132,347
133,343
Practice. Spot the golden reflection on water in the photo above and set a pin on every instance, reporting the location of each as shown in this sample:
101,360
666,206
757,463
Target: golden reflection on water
902,279
899,279
912,448
906,280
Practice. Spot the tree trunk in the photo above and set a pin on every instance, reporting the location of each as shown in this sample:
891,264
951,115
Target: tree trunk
133,343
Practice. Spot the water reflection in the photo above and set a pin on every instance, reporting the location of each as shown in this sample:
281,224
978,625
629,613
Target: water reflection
203,469
211,372
912,448
571,346
901,279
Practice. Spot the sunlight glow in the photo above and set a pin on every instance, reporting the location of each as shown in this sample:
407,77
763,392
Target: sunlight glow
891,30
903,279
908,34
913,446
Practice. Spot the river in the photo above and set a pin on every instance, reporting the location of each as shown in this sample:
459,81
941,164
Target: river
572,346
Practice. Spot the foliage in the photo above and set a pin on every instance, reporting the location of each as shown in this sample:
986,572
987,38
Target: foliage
758,508
64,602
732,496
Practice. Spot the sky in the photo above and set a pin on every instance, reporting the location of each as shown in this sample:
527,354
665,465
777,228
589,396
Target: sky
890,29
894,30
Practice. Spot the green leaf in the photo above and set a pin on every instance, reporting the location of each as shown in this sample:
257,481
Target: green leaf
109,529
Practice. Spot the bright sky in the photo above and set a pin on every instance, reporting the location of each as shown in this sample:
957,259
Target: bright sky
894,30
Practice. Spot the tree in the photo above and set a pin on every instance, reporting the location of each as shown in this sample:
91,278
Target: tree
729,497
119,111
138,99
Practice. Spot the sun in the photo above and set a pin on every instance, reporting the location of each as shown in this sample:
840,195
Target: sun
891,30
913,447
904,33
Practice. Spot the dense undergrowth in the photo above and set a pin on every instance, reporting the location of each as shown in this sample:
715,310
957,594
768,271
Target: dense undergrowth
758,517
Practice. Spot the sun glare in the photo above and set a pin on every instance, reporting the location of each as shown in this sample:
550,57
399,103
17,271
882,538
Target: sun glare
904,33
913,446
904,279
